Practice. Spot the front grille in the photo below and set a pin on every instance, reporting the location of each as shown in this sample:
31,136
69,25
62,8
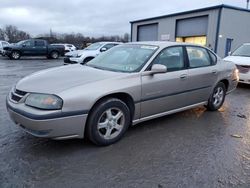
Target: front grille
17,95
243,68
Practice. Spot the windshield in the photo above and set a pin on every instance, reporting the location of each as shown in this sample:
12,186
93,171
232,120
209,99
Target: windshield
124,58
244,50
94,46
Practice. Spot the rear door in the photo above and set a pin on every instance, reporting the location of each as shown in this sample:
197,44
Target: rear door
40,47
167,91
203,73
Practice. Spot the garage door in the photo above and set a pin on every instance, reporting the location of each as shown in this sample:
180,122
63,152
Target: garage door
148,32
192,27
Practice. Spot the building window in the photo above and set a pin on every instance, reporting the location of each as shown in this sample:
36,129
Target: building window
201,40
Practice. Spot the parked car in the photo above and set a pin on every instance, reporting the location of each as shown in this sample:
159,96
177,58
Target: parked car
2,45
67,47
128,84
33,47
241,58
89,53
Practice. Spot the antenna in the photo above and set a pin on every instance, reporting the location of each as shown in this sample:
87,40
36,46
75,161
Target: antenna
247,4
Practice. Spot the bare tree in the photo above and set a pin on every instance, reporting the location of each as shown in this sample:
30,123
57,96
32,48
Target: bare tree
14,35
2,35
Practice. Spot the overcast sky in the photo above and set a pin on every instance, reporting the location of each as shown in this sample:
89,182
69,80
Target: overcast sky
92,17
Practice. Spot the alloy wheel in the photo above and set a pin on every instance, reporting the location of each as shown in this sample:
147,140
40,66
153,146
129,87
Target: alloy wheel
111,123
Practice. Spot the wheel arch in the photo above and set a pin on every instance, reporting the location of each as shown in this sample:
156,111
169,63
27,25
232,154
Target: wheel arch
123,96
88,57
225,82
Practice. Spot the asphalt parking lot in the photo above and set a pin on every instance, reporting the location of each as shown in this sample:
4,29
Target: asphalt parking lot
194,148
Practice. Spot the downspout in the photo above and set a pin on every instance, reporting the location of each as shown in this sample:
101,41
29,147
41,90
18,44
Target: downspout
217,31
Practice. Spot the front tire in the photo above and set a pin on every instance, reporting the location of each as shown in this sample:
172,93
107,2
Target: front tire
15,55
108,122
217,98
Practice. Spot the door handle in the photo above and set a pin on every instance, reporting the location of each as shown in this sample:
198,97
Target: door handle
183,76
214,71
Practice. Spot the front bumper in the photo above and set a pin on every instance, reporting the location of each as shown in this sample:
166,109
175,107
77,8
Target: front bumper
244,78
67,60
45,125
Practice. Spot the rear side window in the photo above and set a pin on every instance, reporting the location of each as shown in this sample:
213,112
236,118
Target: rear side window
172,58
198,57
39,43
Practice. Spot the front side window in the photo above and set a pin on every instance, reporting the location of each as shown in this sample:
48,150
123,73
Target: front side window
172,58
244,50
27,43
198,57
108,46
124,58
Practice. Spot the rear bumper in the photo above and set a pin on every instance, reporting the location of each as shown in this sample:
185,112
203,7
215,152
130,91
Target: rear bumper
64,127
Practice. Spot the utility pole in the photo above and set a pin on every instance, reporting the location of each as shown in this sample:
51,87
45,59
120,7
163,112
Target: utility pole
247,4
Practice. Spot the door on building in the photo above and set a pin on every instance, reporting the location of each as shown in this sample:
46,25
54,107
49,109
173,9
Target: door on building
192,30
147,32
228,46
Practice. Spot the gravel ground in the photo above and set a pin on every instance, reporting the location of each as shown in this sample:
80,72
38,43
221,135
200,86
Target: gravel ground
194,148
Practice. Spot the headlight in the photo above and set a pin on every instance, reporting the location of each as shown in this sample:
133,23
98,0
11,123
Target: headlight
44,101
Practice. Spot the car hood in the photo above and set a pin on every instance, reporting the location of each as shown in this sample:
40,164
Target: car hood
239,60
56,80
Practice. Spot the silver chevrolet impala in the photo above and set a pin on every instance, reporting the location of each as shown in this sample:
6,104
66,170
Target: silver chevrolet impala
126,85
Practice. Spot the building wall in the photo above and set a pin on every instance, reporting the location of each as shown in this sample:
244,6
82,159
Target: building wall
167,26
234,24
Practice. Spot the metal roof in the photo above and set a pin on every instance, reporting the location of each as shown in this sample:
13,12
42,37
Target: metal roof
193,11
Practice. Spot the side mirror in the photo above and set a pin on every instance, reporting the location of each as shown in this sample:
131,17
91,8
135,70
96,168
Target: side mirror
103,49
156,69
24,45
229,53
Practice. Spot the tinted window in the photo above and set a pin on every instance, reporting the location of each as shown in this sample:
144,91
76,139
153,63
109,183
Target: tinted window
172,58
39,43
69,45
198,57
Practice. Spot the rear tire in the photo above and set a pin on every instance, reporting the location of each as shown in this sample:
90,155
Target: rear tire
108,122
217,98
54,55
15,55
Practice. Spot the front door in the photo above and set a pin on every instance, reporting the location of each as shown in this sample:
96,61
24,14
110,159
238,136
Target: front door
166,91
28,47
